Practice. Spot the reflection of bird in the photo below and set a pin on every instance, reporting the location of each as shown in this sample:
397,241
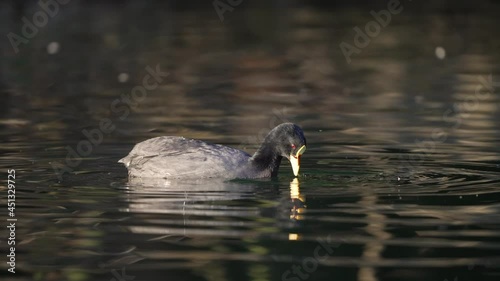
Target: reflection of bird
178,157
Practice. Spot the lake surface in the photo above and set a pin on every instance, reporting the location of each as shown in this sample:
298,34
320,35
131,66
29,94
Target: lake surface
400,180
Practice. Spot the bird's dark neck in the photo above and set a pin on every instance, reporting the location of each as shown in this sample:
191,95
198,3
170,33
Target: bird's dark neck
267,160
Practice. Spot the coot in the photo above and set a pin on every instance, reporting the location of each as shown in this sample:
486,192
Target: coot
181,158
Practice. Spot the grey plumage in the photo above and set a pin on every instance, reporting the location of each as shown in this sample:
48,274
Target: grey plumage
178,157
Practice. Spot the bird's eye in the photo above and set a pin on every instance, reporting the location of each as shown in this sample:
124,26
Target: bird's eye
293,146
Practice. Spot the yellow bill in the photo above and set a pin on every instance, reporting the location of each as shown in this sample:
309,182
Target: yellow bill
295,160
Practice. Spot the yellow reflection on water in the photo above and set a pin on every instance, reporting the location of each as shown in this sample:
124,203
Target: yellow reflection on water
298,201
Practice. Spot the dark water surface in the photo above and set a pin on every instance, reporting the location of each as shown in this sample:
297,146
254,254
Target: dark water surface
400,180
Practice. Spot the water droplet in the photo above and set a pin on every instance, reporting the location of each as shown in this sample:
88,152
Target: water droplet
440,52
53,48
122,77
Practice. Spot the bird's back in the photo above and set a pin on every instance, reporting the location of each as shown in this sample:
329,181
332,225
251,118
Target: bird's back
178,157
